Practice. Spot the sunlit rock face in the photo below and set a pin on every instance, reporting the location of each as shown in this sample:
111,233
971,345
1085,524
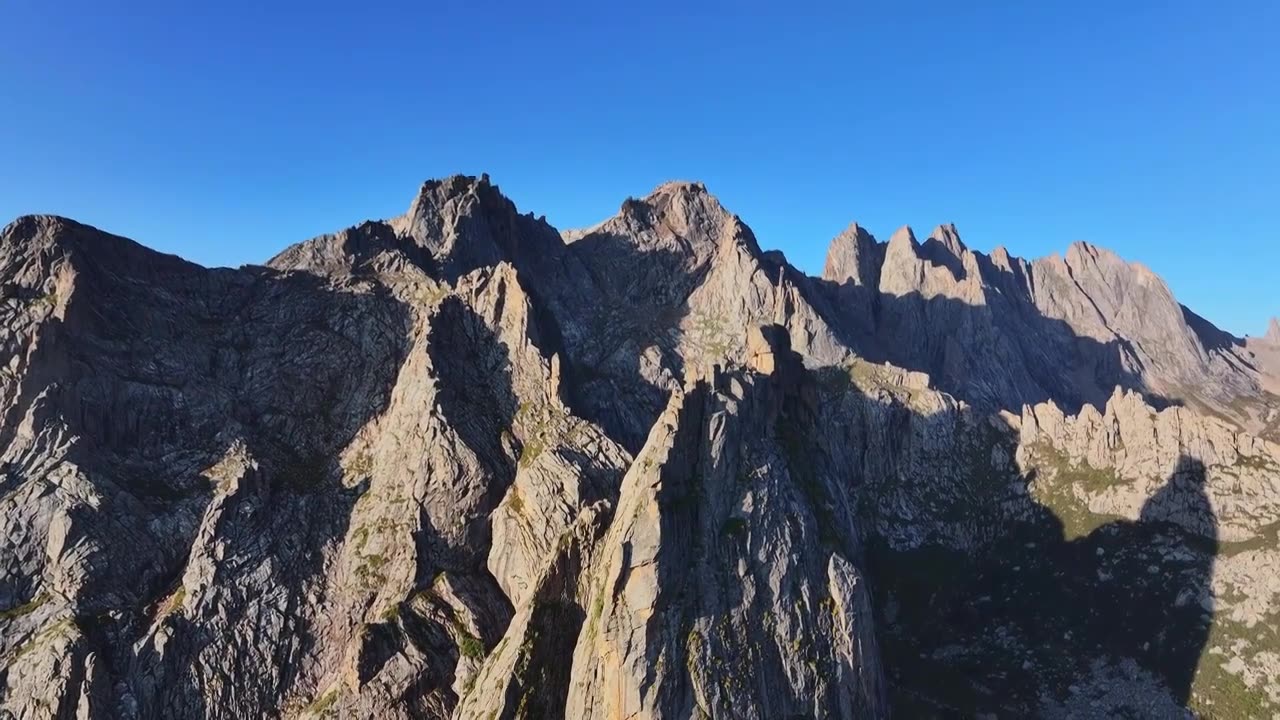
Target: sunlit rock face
461,464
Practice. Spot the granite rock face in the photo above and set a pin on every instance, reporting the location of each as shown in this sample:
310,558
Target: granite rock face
460,464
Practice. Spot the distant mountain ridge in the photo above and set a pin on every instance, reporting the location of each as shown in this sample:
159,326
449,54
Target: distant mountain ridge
1003,331
995,330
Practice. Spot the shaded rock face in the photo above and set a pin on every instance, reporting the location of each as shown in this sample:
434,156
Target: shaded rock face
1039,623
459,464
999,331
1017,573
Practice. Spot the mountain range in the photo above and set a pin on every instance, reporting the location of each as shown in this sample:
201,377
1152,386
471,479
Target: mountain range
461,464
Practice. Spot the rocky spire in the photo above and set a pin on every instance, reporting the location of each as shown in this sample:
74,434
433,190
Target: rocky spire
948,237
780,310
945,248
1273,330
854,257
901,271
903,236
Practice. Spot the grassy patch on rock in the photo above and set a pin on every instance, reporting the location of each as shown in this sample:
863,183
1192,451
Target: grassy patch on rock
25,608
1058,484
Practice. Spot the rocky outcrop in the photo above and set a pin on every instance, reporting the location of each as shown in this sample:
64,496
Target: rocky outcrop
999,331
681,279
1135,448
726,587
854,257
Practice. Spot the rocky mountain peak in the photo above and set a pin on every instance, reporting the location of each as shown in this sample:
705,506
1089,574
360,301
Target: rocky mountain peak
49,239
904,237
445,200
685,208
39,232
677,219
1082,254
1001,258
435,191
679,188
940,266
31,227
453,226
1273,330
901,271
854,256
945,248
949,238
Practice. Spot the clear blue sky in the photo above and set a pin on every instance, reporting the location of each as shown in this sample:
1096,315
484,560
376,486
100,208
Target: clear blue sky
223,131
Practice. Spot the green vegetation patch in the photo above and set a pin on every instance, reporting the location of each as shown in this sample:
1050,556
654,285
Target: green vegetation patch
1219,694
709,335
469,645
323,705
1054,487
542,427
1268,537
61,627
597,609
1256,462
516,501
25,608
174,602
361,464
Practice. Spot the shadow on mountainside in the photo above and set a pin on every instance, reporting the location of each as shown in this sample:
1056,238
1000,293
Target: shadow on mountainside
620,339
1110,624
625,365
1001,355
1210,336
477,400
1015,625
311,366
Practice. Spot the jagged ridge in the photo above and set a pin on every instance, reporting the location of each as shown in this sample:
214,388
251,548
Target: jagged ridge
391,473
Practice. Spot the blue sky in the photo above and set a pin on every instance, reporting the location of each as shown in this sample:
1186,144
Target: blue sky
224,131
